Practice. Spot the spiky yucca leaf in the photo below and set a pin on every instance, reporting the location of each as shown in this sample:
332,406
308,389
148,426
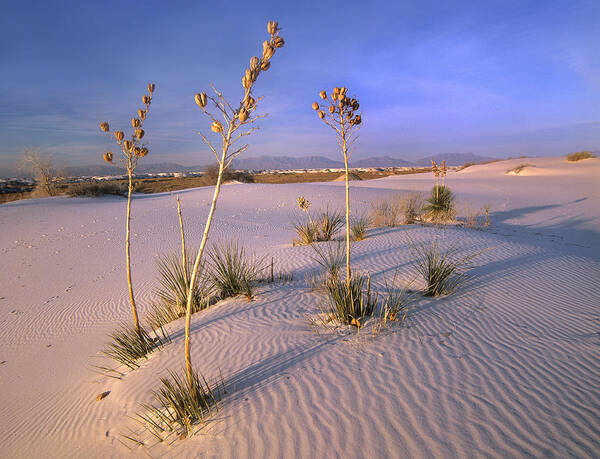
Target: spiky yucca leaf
128,345
440,206
232,272
350,302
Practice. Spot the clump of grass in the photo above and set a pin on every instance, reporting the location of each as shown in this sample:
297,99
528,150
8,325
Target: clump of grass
358,227
396,303
519,168
465,165
350,302
232,272
174,278
442,270
578,156
179,404
306,232
412,206
386,211
130,344
441,205
95,189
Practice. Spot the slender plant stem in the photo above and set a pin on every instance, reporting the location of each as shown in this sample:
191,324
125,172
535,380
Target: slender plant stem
347,218
183,254
127,250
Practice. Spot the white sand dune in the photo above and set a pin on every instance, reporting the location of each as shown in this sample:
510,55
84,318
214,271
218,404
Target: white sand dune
508,366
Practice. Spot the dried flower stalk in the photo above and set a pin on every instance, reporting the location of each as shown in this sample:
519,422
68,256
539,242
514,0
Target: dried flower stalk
131,151
236,123
340,115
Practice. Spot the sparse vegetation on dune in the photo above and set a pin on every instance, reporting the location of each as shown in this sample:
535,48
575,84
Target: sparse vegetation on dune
440,207
358,227
516,170
130,344
578,156
322,228
96,189
350,301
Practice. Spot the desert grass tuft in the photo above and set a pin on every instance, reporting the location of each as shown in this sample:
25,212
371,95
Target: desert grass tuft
306,231
129,345
232,272
321,229
350,302
442,270
331,259
174,279
578,156
519,168
440,207
412,206
358,227
386,211
179,404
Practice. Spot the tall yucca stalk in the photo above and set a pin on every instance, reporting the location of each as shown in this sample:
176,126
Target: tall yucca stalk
237,123
131,152
339,113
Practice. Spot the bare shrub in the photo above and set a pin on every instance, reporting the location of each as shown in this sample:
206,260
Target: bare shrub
40,165
519,168
578,156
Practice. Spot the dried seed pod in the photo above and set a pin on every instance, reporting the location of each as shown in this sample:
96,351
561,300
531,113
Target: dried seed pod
334,96
357,119
323,95
151,88
265,66
135,122
108,156
146,99
249,103
216,127
268,53
321,114
343,90
278,42
243,116
200,99
139,133
355,105
265,46
127,145
119,135
104,126
315,106
272,27
336,90
331,109
246,83
137,151
143,152
254,62
142,114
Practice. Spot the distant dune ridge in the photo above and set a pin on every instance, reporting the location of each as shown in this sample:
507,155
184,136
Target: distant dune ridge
269,162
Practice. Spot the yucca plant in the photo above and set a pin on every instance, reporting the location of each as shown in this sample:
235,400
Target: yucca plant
174,280
129,344
339,113
440,205
358,227
442,270
131,152
180,403
232,272
328,224
350,302
236,123
331,259
396,302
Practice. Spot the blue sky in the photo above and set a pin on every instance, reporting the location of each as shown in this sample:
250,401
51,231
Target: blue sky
494,78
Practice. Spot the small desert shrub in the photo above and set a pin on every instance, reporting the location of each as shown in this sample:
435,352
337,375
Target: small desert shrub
232,272
519,168
174,279
95,189
471,218
442,270
129,345
350,303
440,206
179,404
386,211
464,166
358,227
580,155
212,172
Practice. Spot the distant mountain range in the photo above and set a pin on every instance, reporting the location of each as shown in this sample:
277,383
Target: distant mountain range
282,163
